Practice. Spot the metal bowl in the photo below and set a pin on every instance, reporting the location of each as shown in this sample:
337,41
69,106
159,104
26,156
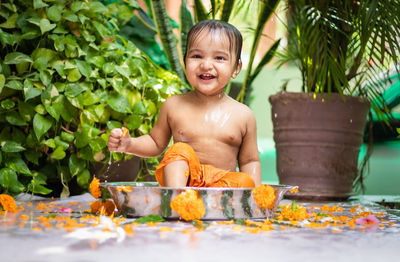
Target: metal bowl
148,198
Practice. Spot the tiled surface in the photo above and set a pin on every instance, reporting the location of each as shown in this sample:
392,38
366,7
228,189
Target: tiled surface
24,238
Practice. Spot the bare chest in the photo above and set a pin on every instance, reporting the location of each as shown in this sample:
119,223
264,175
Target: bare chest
209,128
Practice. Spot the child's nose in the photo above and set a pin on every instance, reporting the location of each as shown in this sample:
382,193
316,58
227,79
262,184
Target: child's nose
206,64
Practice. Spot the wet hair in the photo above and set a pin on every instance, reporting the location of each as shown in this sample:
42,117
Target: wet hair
216,26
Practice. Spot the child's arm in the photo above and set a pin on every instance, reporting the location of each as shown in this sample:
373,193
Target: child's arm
150,145
249,159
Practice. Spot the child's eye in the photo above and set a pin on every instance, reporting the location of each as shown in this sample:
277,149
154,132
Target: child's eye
220,58
196,56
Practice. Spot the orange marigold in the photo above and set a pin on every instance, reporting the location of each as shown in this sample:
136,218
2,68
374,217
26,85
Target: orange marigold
294,212
102,208
7,203
95,188
264,196
188,205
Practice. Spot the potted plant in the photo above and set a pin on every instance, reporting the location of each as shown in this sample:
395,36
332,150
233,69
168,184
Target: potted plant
339,47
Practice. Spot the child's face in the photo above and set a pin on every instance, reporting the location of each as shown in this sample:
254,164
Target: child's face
210,64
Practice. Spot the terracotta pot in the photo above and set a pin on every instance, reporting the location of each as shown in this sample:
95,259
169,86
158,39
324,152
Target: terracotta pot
318,142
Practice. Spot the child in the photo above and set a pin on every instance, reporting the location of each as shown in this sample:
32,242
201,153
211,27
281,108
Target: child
212,132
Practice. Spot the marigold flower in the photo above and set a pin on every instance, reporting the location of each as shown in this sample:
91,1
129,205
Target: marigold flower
188,205
7,203
102,208
294,212
95,188
124,188
264,196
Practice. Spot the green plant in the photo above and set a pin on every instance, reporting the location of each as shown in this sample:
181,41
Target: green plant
66,79
222,10
344,46
341,46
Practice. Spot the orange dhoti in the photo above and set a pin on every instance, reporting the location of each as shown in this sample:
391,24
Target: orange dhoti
201,175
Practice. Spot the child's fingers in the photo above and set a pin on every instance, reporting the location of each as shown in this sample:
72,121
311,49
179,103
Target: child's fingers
116,133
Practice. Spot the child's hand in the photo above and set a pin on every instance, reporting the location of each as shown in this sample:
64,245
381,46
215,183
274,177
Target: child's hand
119,140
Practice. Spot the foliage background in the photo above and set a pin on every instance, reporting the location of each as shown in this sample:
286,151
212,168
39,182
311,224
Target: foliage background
66,79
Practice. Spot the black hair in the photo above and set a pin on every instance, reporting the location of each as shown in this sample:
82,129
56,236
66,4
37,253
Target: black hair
233,34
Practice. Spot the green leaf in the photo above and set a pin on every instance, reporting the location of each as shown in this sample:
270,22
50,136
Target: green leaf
74,75
11,147
36,188
2,82
16,163
61,143
84,178
84,68
140,108
73,90
15,119
9,180
118,103
15,84
39,4
41,125
33,156
11,22
97,7
76,165
67,136
76,6
54,13
150,218
7,104
46,26
97,144
16,58
26,111
58,154
50,143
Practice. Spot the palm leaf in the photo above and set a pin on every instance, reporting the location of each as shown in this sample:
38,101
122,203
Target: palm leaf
200,12
164,30
186,23
227,10
267,9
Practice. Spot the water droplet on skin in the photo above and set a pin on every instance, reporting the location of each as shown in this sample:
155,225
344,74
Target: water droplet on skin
275,115
351,120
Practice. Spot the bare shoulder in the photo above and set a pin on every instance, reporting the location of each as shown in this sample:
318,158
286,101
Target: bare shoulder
241,110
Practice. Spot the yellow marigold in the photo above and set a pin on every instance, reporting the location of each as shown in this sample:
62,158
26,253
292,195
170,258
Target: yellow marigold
102,208
294,212
264,196
7,203
95,188
188,205
124,188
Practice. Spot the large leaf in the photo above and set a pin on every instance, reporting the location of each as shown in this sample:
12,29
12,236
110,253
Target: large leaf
16,163
76,165
41,125
118,103
9,180
16,58
11,147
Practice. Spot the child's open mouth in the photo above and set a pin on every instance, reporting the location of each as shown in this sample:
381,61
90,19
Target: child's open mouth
206,76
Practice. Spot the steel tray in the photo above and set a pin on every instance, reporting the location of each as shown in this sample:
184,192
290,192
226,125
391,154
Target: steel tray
148,198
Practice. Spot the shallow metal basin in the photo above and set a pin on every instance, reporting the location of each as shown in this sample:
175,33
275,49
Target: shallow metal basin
148,198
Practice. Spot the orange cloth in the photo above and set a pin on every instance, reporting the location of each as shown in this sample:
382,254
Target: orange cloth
201,175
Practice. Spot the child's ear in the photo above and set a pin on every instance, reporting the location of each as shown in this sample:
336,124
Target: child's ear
237,69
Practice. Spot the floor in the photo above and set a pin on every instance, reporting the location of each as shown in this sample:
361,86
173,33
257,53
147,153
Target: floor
24,238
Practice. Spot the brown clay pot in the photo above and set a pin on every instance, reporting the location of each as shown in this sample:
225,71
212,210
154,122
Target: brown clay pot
318,142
